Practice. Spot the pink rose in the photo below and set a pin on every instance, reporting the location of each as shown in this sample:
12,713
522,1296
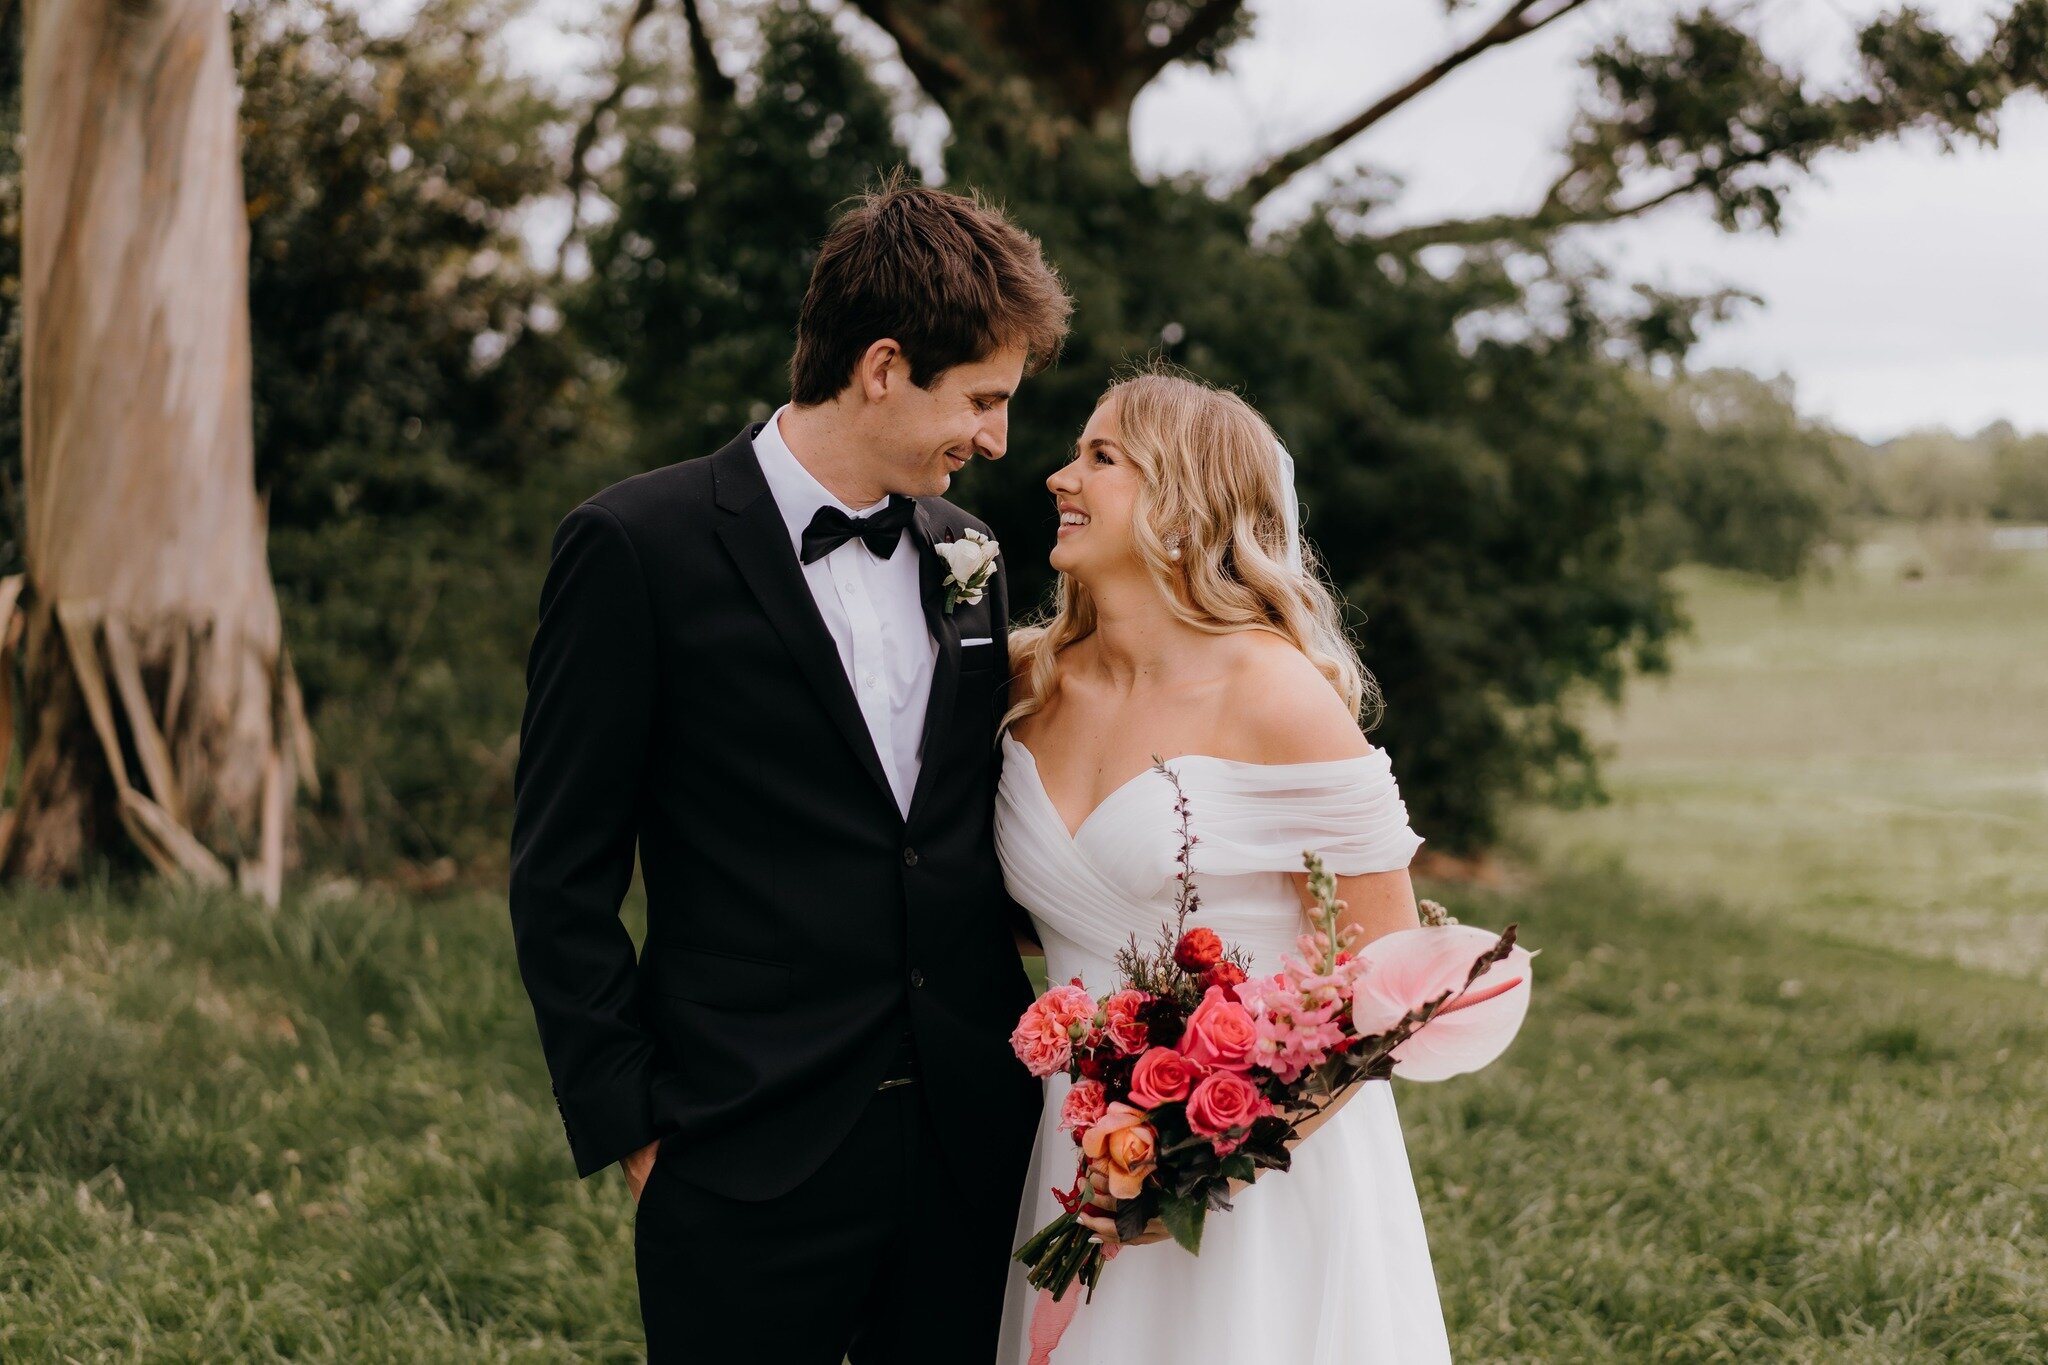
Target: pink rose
1086,1103
1120,1014
1220,1034
1045,1036
1161,1077
1223,1101
1122,1148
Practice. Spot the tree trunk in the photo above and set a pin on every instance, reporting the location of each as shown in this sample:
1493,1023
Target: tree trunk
158,704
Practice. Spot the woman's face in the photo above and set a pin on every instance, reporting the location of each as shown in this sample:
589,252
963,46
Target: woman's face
1097,495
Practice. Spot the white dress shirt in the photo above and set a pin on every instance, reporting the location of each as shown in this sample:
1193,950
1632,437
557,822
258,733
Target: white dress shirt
872,609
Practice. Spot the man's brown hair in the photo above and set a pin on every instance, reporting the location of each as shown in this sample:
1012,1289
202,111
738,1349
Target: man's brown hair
947,276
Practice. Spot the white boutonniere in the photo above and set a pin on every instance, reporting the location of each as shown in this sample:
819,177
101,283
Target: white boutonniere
970,564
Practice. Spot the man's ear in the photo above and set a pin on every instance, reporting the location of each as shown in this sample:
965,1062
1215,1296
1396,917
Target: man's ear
881,369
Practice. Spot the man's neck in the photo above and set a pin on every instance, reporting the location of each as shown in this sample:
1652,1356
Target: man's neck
826,445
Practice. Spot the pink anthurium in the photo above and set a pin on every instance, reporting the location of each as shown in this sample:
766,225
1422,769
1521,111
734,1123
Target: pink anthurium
1409,968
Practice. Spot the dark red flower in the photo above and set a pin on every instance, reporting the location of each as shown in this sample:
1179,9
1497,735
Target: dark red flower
1224,974
1163,1022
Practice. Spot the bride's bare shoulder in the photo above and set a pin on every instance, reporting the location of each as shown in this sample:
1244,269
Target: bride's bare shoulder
1283,710
1023,662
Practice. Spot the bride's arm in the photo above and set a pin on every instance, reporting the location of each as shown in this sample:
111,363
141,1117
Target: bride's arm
1377,903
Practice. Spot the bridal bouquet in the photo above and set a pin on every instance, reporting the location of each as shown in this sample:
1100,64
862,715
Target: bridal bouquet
1192,1074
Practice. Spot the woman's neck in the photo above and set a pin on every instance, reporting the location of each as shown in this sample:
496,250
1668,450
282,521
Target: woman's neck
1138,641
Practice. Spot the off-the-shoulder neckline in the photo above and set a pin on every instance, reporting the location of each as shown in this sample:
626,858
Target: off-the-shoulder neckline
1074,834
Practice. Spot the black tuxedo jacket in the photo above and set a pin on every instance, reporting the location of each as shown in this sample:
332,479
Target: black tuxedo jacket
684,693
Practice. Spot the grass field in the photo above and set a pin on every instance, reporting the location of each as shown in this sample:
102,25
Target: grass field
1866,759
1758,1113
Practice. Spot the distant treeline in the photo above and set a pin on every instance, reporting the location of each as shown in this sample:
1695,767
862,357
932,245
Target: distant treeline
1996,475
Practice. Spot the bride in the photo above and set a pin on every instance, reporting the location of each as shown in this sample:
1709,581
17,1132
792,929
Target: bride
1187,626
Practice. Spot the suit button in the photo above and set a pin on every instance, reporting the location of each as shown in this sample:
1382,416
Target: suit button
916,978
910,857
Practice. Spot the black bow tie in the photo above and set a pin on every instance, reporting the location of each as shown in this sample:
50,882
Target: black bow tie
880,531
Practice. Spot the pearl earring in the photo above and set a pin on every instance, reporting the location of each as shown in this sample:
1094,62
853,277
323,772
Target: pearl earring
1173,545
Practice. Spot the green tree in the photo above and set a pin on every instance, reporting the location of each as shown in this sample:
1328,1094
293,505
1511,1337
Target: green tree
1930,475
1482,463
2019,474
1743,481
1476,458
418,410
721,198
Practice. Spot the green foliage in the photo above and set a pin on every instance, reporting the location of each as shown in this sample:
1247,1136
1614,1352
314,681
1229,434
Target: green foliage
1476,461
1702,111
418,414
720,205
1183,1218
2019,474
1707,104
1745,482
1997,474
1492,484
1471,458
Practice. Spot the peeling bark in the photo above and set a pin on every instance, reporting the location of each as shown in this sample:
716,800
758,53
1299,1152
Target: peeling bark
158,712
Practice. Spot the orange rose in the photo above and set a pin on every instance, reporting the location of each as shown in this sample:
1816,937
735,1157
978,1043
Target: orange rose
1123,1148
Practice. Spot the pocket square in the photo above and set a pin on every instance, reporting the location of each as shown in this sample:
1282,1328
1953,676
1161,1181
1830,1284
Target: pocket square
977,640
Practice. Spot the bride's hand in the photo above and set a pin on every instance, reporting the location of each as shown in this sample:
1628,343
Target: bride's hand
1098,1215
1103,1223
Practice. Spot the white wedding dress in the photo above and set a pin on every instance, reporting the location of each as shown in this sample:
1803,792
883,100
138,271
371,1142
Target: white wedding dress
1324,1264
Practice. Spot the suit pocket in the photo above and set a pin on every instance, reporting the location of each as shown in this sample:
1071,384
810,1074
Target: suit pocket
977,654
705,976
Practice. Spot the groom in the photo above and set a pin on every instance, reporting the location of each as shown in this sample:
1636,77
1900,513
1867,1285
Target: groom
756,667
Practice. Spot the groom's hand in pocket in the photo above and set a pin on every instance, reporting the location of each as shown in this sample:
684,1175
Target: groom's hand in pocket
638,1166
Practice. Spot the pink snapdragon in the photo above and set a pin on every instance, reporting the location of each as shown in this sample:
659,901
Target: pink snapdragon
1296,1030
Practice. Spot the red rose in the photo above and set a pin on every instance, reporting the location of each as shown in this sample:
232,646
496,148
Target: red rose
1224,975
1220,1033
1198,950
1223,1101
1161,1077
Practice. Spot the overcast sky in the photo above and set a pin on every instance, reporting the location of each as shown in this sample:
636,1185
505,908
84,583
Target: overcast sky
1909,288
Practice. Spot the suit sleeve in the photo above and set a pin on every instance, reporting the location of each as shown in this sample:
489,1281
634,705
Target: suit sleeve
590,680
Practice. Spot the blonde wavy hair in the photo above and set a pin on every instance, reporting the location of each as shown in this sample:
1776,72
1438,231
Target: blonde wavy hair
1210,471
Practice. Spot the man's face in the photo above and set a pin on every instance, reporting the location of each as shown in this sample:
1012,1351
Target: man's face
926,436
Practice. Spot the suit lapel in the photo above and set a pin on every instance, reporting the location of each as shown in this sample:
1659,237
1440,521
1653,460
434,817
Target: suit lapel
757,538
931,578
